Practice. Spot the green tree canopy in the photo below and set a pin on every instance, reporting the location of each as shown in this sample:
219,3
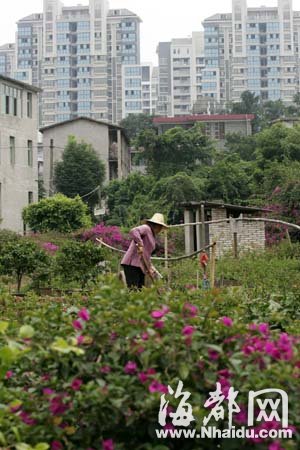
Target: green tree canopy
79,172
176,150
135,124
58,213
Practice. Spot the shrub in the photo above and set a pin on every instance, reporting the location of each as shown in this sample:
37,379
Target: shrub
58,213
111,235
22,257
79,262
95,379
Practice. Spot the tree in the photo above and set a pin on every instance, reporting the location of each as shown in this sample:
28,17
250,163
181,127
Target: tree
176,150
80,172
229,179
22,257
249,104
172,191
57,213
135,124
278,143
79,262
127,200
244,146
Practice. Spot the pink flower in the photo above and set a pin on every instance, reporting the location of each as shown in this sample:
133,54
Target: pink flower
144,376
77,325
108,444
157,314
190,310
263,328
9,374
275,446
130,368
25,417
76,384
188,330
57,406
159,324
145,336
48,391
227,321
155,386
56,445
213,354
80,339
105,369
84,314
224,373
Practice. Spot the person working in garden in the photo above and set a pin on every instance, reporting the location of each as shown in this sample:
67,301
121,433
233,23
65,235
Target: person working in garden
137,260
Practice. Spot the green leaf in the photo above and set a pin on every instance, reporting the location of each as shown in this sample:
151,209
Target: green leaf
3,327
61,345
23,446
41,446
26,332
183,371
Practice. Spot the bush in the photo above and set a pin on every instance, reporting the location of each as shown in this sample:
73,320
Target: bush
95,379
111,235
58,213
22,257
79,262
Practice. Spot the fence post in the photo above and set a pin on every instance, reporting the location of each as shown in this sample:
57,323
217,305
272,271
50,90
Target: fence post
213,266
234,229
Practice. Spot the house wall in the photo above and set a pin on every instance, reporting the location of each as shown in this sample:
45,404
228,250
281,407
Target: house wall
94,134
251,235
20,178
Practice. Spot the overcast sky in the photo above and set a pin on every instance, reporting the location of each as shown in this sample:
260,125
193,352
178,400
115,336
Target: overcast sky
162,19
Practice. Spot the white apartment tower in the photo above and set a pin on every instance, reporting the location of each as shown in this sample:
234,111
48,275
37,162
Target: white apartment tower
255,49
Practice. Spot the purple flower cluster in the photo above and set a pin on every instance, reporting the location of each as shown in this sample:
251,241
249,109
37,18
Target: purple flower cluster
50,247
111,235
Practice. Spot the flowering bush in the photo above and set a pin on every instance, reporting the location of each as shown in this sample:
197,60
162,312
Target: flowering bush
95,378
111,235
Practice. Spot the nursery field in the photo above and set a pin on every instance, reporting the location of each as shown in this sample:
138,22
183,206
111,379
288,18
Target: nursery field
86,370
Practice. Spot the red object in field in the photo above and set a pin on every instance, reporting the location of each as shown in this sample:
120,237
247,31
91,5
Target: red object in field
203,260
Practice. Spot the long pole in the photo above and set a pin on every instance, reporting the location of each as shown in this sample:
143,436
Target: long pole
213,265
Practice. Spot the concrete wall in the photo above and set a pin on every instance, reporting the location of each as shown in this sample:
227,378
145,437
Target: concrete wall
17,180
95,134
251,235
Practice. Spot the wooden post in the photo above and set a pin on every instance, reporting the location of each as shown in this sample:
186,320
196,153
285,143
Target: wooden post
51,175
202,225
288,236
166,248
235,245
234,229
213,265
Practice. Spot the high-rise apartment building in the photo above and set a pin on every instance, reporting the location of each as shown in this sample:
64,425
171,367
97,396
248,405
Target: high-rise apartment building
76,55
7,59
255,49
140,89
123,46
181,63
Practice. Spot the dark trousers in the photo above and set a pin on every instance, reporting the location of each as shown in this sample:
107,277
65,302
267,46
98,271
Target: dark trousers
135,278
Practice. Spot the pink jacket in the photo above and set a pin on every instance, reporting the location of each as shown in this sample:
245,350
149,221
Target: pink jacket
142,235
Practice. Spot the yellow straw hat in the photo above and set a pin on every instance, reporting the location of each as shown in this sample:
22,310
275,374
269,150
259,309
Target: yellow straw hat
158,219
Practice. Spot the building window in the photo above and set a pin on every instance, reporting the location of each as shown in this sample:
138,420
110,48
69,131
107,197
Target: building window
7,104
12,149
15,107
29,104
30,197
29,153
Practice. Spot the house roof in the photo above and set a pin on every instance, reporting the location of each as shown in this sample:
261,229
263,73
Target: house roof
29,87
221,205
89,119
203,118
